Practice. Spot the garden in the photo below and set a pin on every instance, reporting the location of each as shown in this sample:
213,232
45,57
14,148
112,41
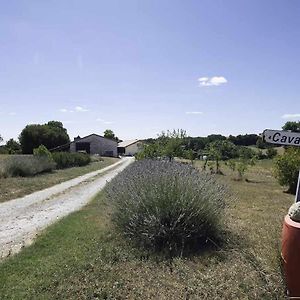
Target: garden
166,231
169,227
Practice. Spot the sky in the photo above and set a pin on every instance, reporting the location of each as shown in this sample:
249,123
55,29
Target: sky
141,67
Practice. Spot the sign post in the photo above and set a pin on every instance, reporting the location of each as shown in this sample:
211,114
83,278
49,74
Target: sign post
287,138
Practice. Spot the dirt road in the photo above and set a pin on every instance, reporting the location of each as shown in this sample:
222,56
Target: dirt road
23,218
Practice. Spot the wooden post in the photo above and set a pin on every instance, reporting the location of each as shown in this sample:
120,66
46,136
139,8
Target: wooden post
297,199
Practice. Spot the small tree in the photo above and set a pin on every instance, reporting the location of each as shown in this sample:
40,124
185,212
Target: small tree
13,147
287,167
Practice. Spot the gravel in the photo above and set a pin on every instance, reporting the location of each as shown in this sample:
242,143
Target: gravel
22,219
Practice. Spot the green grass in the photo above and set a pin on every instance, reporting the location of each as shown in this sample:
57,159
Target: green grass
82,257
14,187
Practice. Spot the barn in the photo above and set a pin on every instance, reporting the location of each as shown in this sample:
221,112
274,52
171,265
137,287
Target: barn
95,144
129,148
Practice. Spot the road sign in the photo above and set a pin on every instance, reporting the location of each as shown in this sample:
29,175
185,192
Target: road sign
288,138
280,137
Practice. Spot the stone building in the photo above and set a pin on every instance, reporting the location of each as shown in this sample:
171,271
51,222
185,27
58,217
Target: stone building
95,144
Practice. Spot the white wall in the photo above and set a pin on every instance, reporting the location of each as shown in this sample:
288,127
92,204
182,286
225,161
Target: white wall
132,149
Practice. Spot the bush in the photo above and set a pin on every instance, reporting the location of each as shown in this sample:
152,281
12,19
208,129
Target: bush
271,152
287,168
166,206
66,160
42,151
25,165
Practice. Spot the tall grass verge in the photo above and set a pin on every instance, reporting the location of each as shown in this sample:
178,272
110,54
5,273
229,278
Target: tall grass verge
167,206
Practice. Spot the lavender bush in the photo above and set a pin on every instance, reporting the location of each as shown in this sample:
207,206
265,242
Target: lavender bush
164,205
25,165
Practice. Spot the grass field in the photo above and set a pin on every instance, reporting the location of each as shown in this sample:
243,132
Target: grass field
14,187
82,257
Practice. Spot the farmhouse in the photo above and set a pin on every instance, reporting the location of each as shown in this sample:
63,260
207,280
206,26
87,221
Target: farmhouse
95,144
129,148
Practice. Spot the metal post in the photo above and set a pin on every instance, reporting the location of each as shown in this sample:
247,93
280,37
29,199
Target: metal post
297,199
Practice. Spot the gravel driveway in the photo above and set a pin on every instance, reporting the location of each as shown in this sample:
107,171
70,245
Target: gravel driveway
21,219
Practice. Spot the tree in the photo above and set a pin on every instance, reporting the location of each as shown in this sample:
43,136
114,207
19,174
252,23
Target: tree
13,147
287,167
1,138
109,134
51,135
171,143
291,125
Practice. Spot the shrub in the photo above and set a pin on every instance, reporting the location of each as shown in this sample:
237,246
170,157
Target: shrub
66,160
25,165
287,168
271,152
166,206
42,151
260,155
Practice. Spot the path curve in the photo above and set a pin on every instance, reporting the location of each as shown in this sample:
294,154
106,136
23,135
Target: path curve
23,218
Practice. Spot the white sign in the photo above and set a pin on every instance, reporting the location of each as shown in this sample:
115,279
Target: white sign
280,137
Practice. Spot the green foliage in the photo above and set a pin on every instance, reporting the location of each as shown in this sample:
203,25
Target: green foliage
50,135
240,165
287,167
66,160
109,134
42,151
167,206
148,151
168,144
261,144
189,154
246,153
13,147
293,126
271,153
260,155
171,143
244,140
25,165
231,164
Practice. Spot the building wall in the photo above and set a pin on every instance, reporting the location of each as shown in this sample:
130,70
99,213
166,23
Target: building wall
98,145
132,149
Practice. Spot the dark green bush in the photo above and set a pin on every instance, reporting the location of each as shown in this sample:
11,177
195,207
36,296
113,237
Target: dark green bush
167,206
66,160
287,168
25,165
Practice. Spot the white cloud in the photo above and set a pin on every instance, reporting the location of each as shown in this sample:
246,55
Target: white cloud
12,113
80,109
77,109
104,121
290,116
212,81
194,112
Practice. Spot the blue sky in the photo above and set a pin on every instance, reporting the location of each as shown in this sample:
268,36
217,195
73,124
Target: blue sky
140,67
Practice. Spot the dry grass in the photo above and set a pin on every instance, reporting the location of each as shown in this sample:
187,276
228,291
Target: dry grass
82,257
15,187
